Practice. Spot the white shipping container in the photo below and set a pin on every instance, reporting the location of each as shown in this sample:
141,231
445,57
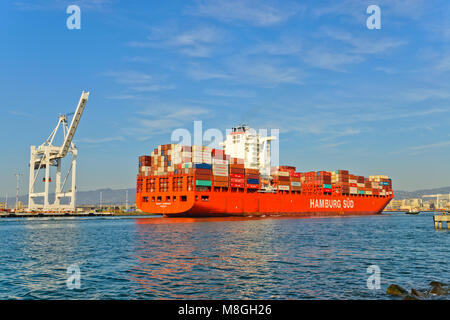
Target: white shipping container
220,162
284,188
282,173
220,173
296,184
220,166
353,190
195,156
201,160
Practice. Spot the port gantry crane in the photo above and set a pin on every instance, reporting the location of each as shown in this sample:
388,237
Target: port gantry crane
48,155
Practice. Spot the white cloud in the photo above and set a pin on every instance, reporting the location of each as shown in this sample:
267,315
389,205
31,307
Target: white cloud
385,70
136,81
253,12
264,72
284,47
101,140
196,42
443,63
423,94
414,150
194,37
122,97
356,9
163,118
237,93
260,72
200,73
95,5
330,59
152,88
20,114
430,146
363,45
129,77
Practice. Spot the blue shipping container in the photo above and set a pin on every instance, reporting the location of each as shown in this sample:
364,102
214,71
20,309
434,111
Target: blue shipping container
202,166
252,181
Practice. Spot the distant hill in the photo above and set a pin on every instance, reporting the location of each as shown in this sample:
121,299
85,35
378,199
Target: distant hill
400,195
111,196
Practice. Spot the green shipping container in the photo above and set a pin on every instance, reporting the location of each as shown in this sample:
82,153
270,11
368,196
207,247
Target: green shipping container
203,183
361,192
327,186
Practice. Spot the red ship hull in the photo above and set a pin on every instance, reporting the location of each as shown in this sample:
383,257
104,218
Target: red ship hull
223,202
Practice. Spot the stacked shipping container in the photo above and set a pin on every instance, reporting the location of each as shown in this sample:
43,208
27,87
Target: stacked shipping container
213,168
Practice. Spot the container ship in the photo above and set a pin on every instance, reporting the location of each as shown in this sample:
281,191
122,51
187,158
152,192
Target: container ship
239,180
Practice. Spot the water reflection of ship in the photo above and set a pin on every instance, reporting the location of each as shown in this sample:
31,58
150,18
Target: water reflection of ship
179,259
212,259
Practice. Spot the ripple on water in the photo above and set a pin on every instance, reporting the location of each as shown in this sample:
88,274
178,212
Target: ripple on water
157,258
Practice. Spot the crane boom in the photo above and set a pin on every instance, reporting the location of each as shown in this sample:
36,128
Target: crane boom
74,124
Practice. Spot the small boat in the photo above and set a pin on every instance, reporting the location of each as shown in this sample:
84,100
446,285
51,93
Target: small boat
411,211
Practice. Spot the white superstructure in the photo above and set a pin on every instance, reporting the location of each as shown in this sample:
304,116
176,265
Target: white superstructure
48,155
245,143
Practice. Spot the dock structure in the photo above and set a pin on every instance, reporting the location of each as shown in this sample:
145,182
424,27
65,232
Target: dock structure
439,219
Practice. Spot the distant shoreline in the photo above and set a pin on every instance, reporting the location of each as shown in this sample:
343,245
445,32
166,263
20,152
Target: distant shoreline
83,214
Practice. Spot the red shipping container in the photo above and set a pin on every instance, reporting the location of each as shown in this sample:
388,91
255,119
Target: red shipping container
203,171
202,177
236,185
220,178
220,183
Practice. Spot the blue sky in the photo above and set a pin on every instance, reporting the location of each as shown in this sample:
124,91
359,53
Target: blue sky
343,96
